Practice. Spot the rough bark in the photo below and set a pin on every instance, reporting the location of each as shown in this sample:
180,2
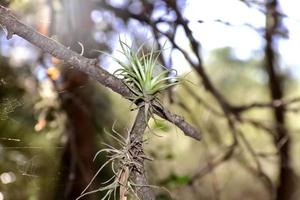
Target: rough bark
138,175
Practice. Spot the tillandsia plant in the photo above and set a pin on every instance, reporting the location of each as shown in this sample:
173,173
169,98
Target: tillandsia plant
144,76
122,162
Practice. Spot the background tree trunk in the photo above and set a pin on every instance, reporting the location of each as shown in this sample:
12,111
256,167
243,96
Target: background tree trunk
75,94
282,139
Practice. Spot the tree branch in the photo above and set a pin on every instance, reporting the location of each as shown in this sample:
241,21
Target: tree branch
138,175
86,65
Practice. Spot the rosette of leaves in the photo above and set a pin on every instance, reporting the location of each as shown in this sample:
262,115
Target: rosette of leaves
144,75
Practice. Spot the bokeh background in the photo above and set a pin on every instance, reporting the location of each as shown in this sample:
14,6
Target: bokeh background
52,117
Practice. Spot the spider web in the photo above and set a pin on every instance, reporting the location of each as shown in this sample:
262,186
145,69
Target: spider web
7,106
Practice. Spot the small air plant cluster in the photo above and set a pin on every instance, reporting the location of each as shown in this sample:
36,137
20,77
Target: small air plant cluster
122,162
144,76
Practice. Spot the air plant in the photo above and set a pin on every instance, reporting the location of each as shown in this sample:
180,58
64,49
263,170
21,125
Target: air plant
122,163
144,76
